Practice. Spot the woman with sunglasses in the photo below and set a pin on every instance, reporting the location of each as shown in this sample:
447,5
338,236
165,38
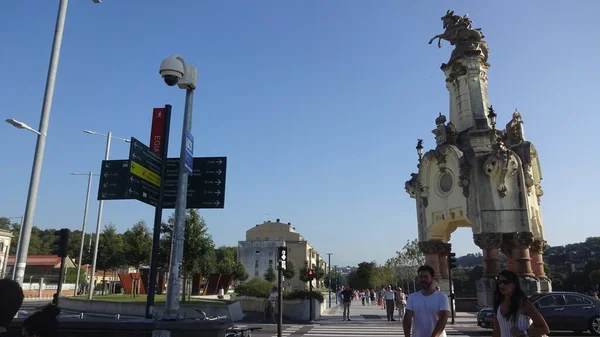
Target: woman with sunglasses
513,312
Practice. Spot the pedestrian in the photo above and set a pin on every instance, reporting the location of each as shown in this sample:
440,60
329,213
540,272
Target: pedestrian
347,296
43,323
427,310
401,302
514,313
389,303
11,299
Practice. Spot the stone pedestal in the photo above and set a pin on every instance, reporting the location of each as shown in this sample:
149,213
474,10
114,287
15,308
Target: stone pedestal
490,246
507,246
520,253
432,250
530,285
536,252
486,286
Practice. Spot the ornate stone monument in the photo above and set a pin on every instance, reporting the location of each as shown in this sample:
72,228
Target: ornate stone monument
478,176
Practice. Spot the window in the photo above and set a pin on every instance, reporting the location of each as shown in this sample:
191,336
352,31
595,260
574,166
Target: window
270,252
270,263
256,264
577,300
551,301
266,238
256,273
258,252
1,246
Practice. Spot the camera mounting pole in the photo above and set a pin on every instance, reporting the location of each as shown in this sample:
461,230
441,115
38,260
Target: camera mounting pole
188,82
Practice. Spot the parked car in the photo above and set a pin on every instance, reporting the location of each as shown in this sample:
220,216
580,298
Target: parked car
485,318
569,311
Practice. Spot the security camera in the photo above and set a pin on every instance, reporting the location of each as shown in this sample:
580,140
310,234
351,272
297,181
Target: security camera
172,69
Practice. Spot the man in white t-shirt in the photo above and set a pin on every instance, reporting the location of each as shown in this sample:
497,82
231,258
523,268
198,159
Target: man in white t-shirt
427,311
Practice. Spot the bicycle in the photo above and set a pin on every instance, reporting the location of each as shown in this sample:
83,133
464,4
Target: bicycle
240,332
269,311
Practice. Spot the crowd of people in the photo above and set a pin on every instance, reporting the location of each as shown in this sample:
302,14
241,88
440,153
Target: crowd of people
425,313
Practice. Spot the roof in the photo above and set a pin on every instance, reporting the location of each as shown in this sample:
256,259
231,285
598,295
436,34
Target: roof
42,260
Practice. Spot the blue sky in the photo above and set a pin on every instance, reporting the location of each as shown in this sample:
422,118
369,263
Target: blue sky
316,104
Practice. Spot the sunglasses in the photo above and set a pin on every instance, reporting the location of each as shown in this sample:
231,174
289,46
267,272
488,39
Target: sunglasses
505,282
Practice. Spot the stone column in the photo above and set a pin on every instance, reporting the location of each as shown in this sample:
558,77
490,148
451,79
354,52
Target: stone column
490,245
523,241
432,250
536,252
443,258
508,243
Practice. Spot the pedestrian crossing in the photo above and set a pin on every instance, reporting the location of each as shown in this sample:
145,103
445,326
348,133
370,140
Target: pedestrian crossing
356,330
289,330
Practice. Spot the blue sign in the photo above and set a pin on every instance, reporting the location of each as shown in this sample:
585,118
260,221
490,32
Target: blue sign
189,153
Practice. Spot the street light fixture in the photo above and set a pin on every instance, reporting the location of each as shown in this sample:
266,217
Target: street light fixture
38,158
420,148
21,125
175,71
109,137
329,267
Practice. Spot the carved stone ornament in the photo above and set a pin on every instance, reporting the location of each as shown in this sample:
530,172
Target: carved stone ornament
464,177
488,240
444,134
524,239
539,192
432,247
539,246
515,134
528,175
424,194
457,69
411,185
500,164
508,243
440,156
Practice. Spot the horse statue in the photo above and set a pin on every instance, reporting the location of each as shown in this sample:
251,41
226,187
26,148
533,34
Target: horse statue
458,32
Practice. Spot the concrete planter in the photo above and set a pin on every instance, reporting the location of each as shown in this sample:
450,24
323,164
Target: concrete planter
297,310
233,311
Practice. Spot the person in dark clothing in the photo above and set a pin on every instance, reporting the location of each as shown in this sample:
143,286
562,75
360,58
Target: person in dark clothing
347,296
43,323
11,299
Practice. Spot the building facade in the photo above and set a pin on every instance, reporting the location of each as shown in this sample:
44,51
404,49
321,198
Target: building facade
259,251
5,240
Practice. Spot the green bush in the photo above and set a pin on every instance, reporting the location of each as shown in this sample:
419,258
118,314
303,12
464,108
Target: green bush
256,287
304,295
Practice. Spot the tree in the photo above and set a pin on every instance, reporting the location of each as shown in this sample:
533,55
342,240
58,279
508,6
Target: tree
227,263
290,270
270,275
364,276
303,273
110,251
137,244
595,278
5,223
319,271
239,271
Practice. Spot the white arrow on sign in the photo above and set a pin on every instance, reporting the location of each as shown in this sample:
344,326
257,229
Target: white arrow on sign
105,185
218,192
103,195
105,174
218,182
134,156
219,172
217,203
135,145
132,179
130,191
107,165
219,161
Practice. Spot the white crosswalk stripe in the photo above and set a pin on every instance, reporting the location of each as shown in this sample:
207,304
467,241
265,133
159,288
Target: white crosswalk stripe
360,330
289,330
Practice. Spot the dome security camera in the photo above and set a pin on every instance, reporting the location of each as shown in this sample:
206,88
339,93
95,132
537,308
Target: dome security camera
172,69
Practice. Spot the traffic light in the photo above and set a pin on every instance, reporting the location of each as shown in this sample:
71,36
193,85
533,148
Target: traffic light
452,260
282,254
60,245
311,274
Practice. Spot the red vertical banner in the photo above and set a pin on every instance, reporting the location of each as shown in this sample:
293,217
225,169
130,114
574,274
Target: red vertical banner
158,130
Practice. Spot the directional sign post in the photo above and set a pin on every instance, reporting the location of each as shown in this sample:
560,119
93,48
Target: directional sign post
114,177
145,173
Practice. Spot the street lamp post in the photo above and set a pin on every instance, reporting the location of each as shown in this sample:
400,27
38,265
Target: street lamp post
175,71
108,136
85,212
38,158
329,269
